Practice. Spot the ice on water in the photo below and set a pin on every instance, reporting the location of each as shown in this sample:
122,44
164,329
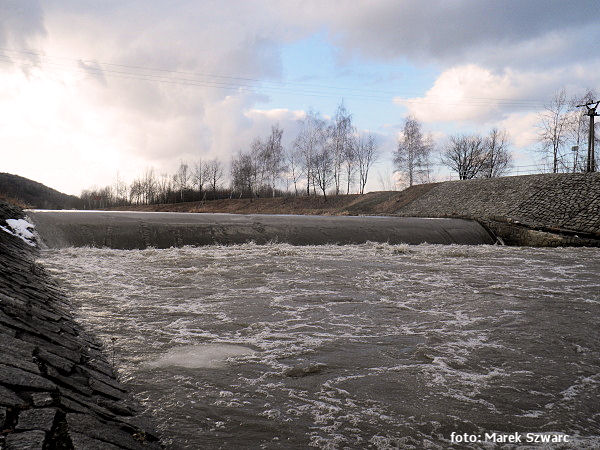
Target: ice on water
207,356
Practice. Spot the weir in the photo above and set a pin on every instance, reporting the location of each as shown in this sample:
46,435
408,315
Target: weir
137,230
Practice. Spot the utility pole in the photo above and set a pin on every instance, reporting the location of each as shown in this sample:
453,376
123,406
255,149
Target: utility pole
591,112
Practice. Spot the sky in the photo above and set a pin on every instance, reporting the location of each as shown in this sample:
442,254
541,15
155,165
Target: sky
94,90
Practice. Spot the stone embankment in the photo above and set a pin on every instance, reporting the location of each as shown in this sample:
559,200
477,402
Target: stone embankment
537,210
57,390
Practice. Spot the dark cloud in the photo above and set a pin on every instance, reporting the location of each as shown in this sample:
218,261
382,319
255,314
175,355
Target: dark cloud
93,69
459,31
21,22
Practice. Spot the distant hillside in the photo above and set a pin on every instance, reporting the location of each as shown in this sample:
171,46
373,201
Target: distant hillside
31,194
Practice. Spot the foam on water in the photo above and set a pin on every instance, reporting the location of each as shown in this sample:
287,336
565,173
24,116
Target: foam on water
347,346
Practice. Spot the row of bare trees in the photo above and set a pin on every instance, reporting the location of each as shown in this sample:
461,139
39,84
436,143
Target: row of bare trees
326,156
471,156
188,183
563,130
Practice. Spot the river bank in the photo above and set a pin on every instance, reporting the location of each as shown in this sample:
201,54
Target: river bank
57,388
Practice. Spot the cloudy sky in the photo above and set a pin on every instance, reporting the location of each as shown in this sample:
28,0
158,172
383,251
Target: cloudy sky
90,89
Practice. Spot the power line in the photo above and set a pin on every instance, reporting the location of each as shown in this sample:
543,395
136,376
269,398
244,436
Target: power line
246,84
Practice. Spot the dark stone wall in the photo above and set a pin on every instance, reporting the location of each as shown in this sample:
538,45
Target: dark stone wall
57,390
537,210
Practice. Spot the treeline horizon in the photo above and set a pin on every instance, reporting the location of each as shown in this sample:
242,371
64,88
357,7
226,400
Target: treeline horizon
331,157
325,158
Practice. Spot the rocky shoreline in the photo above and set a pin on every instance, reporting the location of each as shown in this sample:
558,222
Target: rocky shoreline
57,389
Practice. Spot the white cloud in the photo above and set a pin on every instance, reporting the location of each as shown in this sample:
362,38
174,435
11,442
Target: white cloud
522,127
86,105
481,96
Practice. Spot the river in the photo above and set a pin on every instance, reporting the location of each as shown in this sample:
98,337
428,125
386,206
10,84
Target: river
347,346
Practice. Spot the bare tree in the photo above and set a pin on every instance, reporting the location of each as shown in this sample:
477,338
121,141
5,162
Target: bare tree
308,143
273,157
214,174
294,166
413,153
386,179
341,140
149,186
136,191
164,187
257,164
497,157
465,155
181,178
324,165
199,174
350,162
366,156
553,126
120,191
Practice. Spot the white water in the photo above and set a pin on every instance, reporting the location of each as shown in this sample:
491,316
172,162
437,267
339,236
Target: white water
348,346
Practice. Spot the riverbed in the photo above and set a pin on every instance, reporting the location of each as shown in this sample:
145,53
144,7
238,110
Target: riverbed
346,346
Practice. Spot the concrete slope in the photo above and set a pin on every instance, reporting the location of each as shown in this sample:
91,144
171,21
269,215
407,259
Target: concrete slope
128,230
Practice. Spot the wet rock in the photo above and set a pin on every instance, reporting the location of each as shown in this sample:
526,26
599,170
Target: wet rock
55,361
99,386
56,346
20,362
36,419
77,383
93,428
80,403
19,377
11,322
28,440
101,366
41,399
83,442
546,210
6,331
102,377
11,345
118,407
69,405
9,398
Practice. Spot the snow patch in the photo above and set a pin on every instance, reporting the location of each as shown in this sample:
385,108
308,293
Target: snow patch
21,229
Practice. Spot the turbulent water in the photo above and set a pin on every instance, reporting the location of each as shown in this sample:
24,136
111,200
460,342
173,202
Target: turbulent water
355,346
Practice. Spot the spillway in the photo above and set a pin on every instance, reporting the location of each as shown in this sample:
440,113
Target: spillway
138,230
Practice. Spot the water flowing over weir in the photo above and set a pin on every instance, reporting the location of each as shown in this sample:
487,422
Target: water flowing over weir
138,230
